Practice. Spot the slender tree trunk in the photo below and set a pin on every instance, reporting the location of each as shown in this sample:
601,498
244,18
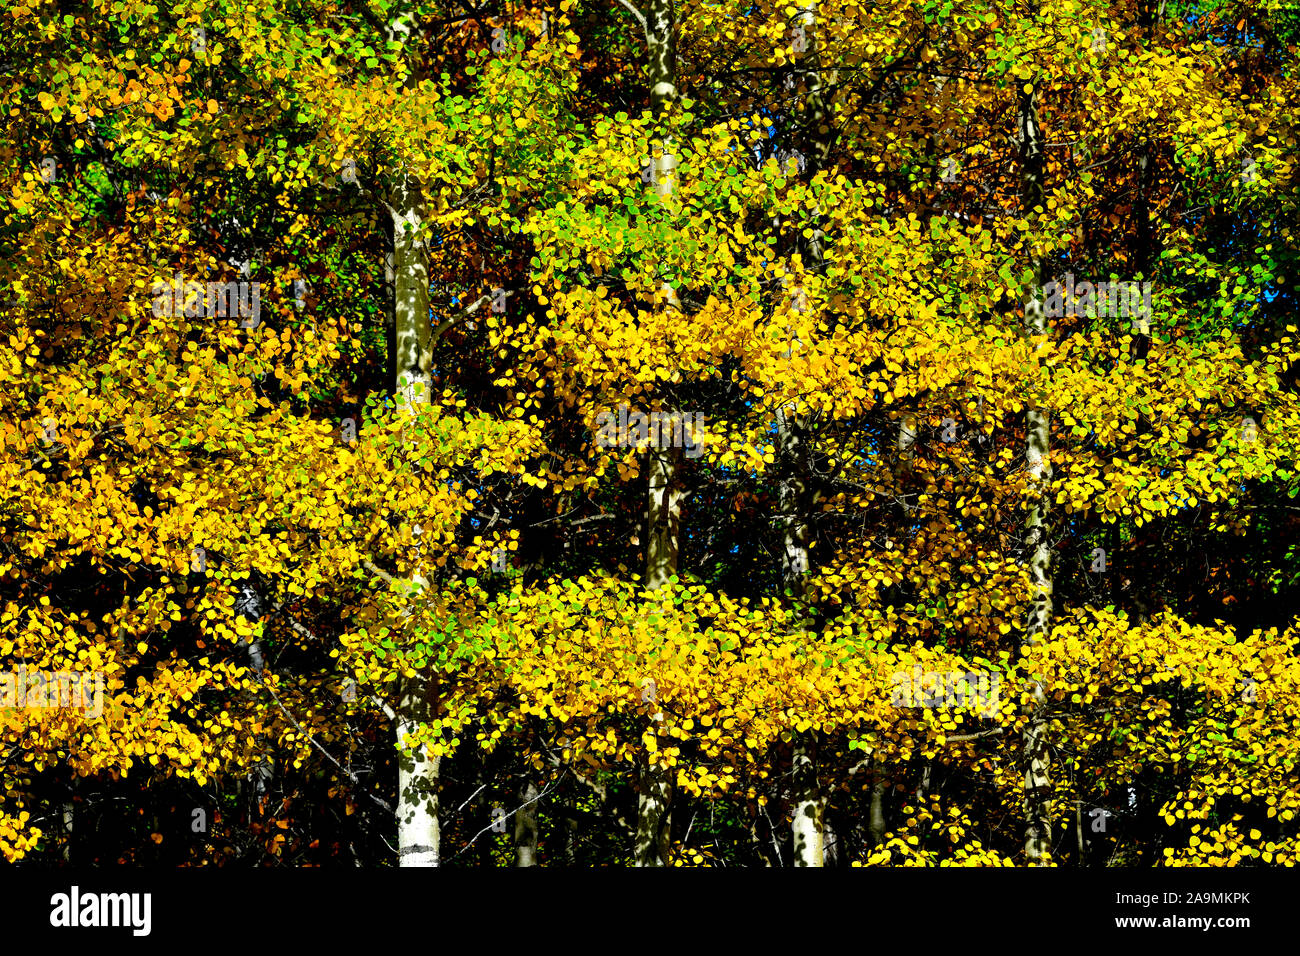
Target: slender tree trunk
652,840
761,844
808,806
663,518
876,825
653,823
418,833
665,497
414,331
923,785
808,802
69,817
1078,832
906,452
796,532
482,808
830,842
1037,550
809,828
1150,13
569,831
526,826
263,772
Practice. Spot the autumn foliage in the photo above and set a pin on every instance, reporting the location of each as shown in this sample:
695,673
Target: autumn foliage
262,545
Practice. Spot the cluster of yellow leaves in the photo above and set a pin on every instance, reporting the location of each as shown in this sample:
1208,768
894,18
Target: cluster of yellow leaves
1228,846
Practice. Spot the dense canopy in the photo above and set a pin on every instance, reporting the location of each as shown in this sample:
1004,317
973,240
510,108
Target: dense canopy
649,432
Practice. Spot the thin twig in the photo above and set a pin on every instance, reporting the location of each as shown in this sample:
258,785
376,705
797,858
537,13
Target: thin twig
328,756
640,17
505,817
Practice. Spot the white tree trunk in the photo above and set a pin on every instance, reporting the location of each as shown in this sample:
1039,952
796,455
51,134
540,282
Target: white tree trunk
526,826
663,512
808,801
418,835
653,823
411,298
1037,550
663,517
808,808
664,497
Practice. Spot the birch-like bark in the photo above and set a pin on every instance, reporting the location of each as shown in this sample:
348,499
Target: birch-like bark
414,332
1079,843
652,840
653,822
664,516
809,806
906,451
876,825
249,603
808,801
758,841
418,835
1037,550
663,532
1150,13
526,826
